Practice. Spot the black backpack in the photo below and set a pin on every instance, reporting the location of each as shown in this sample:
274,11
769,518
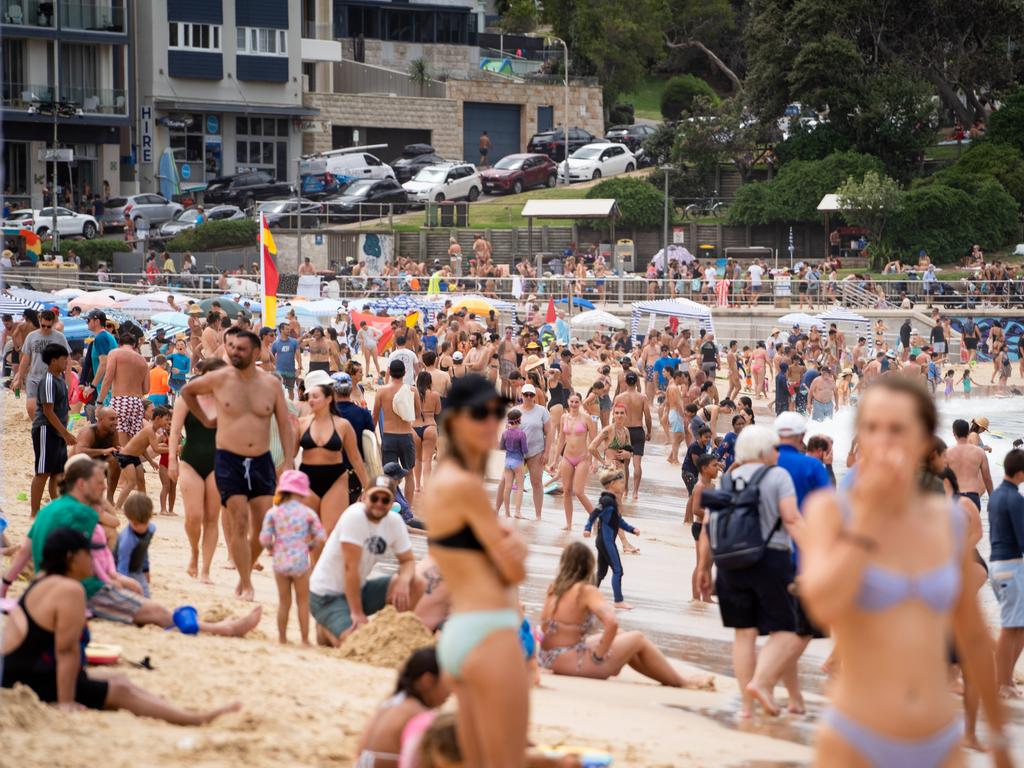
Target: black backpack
734,523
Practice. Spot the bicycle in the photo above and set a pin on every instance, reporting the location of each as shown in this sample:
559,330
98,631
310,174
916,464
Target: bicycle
707,206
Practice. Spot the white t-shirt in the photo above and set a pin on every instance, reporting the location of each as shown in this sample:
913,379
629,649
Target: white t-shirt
756,271
709,275
408,358
376,539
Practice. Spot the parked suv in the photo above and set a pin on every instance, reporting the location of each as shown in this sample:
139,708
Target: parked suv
514,173
445,181
155,209
552,143
633,136
244,189
41,222
415,157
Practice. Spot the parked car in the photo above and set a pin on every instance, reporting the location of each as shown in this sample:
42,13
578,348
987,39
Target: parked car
598,160
514,173
633,136
445,181
366,199
552,143
244,189
40,221
328,174
186,219
285,213
155,209
415,157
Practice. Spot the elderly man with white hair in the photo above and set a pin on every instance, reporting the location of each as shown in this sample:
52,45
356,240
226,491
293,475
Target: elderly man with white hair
756,599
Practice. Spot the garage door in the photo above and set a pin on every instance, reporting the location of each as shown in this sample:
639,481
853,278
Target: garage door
501,121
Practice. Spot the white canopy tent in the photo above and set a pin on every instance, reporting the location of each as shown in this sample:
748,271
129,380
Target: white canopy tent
859,324
683,309
595,319
802,319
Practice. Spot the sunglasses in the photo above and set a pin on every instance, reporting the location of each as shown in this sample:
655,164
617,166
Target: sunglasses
529,394
380,498
482,412
41,325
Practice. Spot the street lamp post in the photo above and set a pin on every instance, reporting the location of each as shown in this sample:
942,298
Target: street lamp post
565,116
664,244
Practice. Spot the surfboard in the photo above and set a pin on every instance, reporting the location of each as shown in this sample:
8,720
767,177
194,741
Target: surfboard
589,758
371,453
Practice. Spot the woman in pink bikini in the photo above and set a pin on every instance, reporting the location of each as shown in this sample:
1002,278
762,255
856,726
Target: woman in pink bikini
578,430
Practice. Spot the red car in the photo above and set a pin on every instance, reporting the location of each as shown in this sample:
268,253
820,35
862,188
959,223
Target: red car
514,173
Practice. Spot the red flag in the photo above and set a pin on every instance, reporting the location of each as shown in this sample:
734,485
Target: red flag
551,316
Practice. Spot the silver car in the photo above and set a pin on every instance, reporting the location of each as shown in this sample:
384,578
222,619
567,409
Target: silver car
186,219
154,208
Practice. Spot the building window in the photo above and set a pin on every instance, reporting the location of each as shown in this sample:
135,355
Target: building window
15,158
186,36
261,143
260,41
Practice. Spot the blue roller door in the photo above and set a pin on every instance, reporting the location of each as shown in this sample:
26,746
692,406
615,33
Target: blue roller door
501,121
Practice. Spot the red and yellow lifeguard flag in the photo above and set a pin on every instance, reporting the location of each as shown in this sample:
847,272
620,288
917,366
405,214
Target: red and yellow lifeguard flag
33,244
268,274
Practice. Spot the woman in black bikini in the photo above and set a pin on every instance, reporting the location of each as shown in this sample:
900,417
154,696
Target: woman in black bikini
326,440
425,427
44,634
194,467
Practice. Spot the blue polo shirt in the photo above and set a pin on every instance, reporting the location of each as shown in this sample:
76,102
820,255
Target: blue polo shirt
1006,522
807,472
284,352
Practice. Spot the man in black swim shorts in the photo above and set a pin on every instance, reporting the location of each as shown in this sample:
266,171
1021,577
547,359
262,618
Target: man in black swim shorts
638,422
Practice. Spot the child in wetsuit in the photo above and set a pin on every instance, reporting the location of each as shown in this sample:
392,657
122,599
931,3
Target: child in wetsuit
513,442
707,470
133,541
607,512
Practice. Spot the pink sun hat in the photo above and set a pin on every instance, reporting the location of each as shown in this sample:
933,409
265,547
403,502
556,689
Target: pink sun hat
294,481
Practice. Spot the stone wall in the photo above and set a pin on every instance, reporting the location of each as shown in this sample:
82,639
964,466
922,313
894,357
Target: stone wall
443,117
586,104
442,60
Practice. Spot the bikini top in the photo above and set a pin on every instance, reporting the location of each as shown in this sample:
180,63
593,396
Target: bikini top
579,427
587,626
881,588
307,442
464,538
615,444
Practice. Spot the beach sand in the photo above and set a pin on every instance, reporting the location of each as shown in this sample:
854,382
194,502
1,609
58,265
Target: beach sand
305,706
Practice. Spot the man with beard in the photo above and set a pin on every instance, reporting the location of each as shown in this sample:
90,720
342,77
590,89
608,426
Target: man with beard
244,469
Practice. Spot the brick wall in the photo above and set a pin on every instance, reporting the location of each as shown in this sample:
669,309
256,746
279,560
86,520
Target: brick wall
447,60
586,104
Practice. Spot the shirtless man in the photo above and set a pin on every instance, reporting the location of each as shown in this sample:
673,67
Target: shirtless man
319,350
440,381
477,356
638,422
396,441
649,354
674,405
733,369
266,360
127,380
99,440
858,354
307,268
508,351
243,467
823,395
684,346
212,336
152,437
969,464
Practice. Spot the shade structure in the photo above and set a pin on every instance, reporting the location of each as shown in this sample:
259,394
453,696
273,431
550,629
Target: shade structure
576,302
232,308
404,303
101,299
476,304
69,293
14,306
45,300
595,319
682,309
142,306
802,319
842,316
170,318
76,329
170,329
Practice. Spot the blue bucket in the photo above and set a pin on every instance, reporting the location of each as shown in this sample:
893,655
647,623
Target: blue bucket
186,619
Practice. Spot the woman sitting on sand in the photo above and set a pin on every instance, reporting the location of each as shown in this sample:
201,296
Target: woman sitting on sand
888,567
41,645
574,609
420,688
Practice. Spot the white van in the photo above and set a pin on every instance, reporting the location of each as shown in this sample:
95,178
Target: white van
330,173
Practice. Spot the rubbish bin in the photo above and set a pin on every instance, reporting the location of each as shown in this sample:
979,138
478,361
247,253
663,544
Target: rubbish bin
625,255
447,215
461,214
431,214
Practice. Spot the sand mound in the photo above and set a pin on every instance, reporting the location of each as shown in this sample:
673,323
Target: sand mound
21,708
387,640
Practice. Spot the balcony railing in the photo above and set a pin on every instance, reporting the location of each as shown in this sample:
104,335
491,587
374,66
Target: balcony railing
27,13
94,17
312,30
92,101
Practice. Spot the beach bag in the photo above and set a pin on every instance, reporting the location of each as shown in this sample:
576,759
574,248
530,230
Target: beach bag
734,523
404,404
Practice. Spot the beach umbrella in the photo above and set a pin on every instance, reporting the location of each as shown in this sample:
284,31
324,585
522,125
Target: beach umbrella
141,306
595,319
802,319
45,300
76,329
475,304
12,305
102,299
170,329
179,319
576,302
69,293
241,285
231,307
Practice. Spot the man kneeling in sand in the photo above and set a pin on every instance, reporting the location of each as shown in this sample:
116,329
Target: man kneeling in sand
109,595
342,595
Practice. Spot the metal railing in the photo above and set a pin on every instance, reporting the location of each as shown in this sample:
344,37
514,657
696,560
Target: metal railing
27,13
101,101
357,77
96,16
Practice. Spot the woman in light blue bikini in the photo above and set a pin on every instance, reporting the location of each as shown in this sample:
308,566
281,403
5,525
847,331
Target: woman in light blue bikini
883,566
481,562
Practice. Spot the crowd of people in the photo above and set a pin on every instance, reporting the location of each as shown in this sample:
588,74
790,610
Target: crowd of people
333,448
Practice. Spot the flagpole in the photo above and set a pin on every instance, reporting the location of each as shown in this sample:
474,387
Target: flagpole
263,271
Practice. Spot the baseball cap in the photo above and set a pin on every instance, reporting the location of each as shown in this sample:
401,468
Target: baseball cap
317,379
457,357
790,424
97,314
382,482
528,389
395,471
341,378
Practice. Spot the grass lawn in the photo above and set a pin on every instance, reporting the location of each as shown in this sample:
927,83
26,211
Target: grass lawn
646,98
948,152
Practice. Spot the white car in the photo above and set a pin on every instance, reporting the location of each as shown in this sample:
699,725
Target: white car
598,160
69,223
447,181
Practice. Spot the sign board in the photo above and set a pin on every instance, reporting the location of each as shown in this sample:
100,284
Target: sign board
679,235
311,126
309,286
186,171
318,238
146,135
58,155
212,124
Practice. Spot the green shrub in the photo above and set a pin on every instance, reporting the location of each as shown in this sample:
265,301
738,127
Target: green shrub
683,185
641,206
987,159
811,143
752,204
91,252
1006,124
216,234
681,92
621,114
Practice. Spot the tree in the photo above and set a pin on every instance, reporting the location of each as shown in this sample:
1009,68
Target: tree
519,16
869,203
641,205
419,73
715,134
981,161
681,92
703,25
1006,124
